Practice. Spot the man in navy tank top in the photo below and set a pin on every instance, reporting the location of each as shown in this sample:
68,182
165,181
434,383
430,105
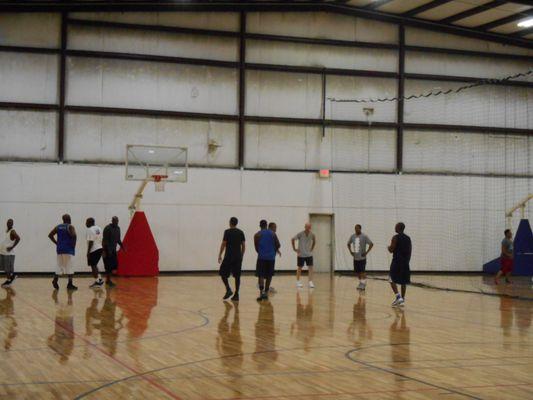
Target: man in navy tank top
400,273
64,237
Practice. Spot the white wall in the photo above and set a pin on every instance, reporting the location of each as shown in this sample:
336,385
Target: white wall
455,222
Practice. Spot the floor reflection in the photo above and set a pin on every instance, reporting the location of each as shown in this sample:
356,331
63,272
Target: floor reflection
62,340
399,339
303,328
265,336
7,311
359,330
229,346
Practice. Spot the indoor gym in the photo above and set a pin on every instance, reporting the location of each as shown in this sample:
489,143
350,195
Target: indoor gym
175,116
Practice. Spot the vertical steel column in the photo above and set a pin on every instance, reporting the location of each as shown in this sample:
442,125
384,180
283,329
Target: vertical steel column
400,103
323,116
62,83
242,86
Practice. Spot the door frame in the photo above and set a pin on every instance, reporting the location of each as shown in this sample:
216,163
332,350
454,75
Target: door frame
332,234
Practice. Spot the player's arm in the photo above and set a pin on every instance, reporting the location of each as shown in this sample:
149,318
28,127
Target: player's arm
505,252
221,251
392,246
349,244
314,243
52,235
257,236
89,246
120,240
293,241
72,233
16,238
277,244
370,245
243,246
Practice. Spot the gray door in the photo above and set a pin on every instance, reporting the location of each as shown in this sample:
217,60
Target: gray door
322,227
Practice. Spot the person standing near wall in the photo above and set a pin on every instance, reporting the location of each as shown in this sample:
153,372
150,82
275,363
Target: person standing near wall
7,254
111,239
94,251
233,247
506,258
359,241
265,245
306,244
400,273
64,237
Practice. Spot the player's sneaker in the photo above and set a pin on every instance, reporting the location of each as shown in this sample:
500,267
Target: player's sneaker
397,301
227,295
235,297
272,290
361,286
6,284
97,284
70,286
311,285
299,284
55,284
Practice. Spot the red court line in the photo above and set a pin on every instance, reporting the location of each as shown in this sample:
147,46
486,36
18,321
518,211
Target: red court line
113,358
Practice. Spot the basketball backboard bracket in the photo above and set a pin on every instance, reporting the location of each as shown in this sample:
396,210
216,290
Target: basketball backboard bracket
158,164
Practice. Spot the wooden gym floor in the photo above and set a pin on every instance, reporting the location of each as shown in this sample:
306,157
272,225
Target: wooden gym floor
173,338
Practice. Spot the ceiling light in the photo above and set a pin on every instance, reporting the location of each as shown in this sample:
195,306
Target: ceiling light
526,23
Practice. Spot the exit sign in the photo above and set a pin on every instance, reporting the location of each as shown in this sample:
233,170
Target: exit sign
323,173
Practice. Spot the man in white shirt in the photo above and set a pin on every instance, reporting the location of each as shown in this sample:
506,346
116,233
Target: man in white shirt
7,254
94,251
357,246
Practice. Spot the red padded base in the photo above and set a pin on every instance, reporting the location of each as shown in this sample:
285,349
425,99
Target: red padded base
141,257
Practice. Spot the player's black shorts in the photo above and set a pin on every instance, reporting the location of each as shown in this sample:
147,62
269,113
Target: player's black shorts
94,257
400,272
230,267
301,261
359,266
265,268
110,262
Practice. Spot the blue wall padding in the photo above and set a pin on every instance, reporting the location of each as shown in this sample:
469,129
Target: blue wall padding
523,252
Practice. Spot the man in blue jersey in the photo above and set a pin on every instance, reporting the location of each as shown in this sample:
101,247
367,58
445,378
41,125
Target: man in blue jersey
64,237
266,244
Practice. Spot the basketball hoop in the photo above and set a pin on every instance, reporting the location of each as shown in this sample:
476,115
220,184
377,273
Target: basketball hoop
159,182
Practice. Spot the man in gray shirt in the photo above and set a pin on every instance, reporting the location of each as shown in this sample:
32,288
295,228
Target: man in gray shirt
357,246
506,259
306,244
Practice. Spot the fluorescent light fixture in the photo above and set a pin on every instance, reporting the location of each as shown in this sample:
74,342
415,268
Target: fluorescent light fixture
151,151
526,23
178,172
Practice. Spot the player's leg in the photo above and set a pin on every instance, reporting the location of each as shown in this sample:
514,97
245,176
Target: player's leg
404,289
224,275
310,269
261,283
112,264
69,272
299,265
237,287
59,271
93,259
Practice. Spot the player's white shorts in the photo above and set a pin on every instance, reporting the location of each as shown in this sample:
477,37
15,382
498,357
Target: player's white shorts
64,264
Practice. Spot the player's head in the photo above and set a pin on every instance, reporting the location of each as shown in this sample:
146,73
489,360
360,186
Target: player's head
89,222
9,223
233,221
307,227
66,219
358,229
508,234
263,224
272,226
400,227
114,220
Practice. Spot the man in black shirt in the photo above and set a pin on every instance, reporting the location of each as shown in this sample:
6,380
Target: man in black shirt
400,273
233,248
110,240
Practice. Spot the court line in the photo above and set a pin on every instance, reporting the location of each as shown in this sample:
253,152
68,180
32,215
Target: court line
83,395
113,358
392,372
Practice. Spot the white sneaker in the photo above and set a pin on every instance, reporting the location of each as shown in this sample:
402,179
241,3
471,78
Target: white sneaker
398,302
299,284
311,285
361,286
272,290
